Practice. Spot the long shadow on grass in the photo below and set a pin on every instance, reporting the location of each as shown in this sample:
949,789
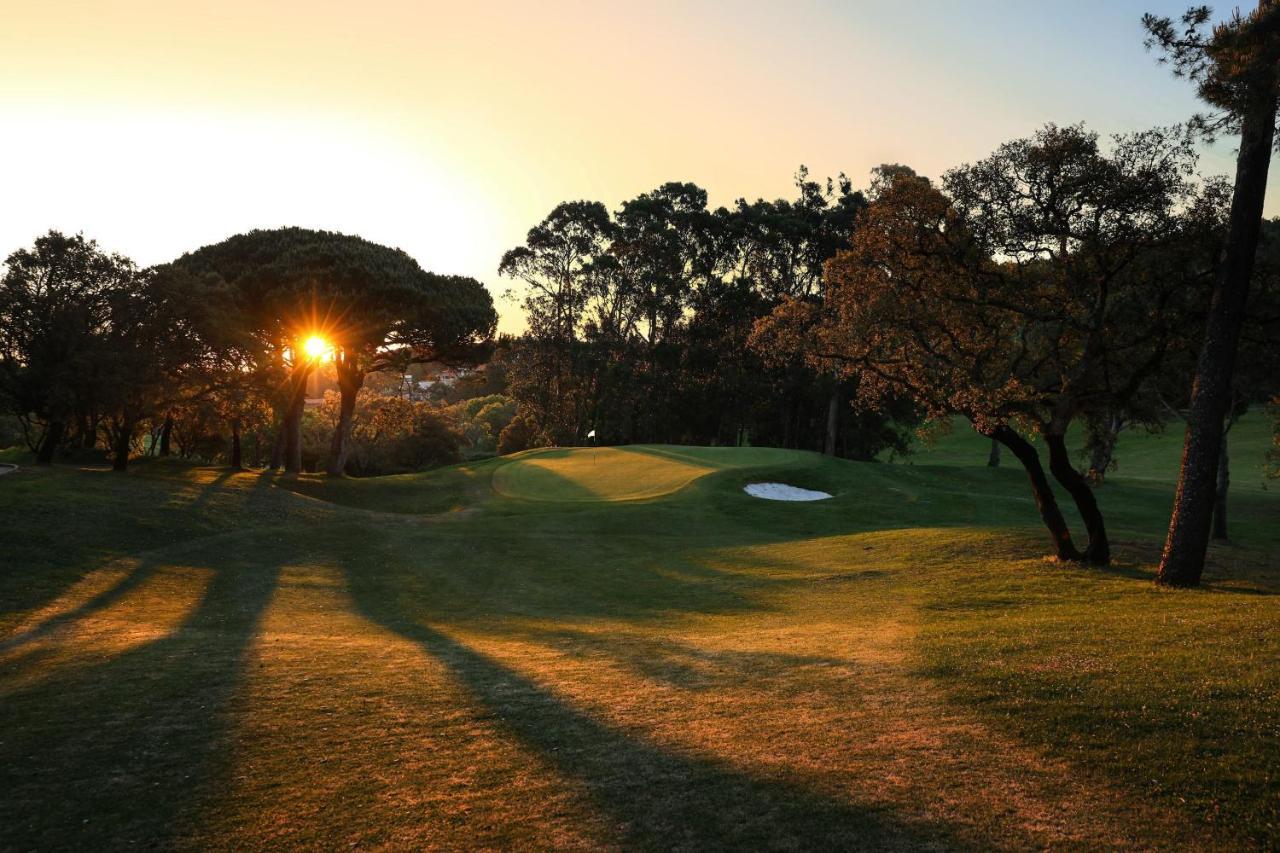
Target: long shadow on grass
657,798
121,754
254,501
683,665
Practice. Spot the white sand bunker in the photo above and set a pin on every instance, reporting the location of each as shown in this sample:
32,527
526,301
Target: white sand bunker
783,492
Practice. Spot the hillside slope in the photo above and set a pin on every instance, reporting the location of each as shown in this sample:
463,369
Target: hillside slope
573,648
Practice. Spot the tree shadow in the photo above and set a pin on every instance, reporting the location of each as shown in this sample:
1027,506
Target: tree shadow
131,580
85,523
123,753
656,797
145,568
677,664
211,488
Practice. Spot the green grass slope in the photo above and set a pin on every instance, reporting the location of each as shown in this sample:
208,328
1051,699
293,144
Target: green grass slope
1139,455
625,473
619,648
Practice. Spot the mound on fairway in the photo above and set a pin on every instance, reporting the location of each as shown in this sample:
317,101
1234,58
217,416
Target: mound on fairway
628,473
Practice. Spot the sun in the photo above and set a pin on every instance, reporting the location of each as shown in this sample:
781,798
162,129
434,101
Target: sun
316,347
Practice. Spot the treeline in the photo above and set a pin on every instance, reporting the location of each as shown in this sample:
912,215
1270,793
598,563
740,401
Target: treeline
1055,281
218,346
1058,280
640,320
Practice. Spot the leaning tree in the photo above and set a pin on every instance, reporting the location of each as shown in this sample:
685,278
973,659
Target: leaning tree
1236,70
1041,284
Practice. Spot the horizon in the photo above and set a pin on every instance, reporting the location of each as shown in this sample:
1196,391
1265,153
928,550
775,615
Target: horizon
449,136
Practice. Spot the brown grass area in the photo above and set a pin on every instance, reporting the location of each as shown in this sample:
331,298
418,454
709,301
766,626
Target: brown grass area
340,721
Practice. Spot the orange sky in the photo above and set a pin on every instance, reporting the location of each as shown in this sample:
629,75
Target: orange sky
449,129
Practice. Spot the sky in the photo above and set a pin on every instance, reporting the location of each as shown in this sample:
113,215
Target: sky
449,129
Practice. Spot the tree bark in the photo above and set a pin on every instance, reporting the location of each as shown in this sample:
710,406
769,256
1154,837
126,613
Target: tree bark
166,435
87,430
350,380
1220,496
1050,514
993,458
833,421
121,446
293,434
293,421
1098,551
49,444
1102,446
1182,562
277,446
235,445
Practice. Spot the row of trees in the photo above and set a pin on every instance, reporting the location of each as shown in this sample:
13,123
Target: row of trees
1050,283
1055,281
95,350
639,322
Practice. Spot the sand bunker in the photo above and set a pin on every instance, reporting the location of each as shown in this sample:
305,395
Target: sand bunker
783,492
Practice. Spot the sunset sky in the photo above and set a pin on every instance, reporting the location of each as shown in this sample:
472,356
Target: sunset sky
449,129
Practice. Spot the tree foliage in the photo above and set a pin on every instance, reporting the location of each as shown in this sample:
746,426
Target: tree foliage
1044,283
639,323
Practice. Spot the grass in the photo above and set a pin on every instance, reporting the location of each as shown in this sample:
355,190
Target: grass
618,648
1140,455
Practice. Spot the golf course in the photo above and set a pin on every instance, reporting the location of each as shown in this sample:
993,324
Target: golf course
620,648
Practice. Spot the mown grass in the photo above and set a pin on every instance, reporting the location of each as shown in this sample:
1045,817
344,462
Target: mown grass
621,649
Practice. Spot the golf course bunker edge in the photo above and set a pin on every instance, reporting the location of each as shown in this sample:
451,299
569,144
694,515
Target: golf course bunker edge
784,492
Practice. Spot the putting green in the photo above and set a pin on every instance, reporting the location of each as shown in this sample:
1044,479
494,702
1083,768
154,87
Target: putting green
636,472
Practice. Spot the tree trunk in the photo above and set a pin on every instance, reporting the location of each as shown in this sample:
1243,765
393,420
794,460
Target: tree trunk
1220,496
121,447
350,379
293,435
235,445
166,435
277,446
1102,446
993,458
1182,562
833,421
1025,451
49,444
87,429
293,421
1098,551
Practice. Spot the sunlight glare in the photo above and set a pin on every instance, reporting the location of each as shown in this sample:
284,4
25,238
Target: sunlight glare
317,348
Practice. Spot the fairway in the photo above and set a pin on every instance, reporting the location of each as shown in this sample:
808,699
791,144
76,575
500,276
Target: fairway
618,648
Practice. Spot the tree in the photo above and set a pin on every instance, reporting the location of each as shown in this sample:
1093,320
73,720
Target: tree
55,303
784,245
563,264
902,314
147,343
1037,288
374,305
559,264
1234,68
1097,252
417,318
639,323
